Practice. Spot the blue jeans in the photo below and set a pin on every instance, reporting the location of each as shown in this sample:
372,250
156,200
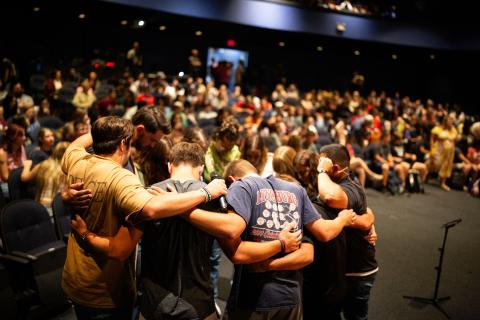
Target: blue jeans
215,263
358,294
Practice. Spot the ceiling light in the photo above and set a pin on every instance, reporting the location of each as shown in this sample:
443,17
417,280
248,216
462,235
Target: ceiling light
141,23
319,48
281,44
356,52
124,22
81,16
394,57
162,28
181,74
198,33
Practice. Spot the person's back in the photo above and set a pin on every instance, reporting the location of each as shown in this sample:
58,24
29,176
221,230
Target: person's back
91,279
176,264
267,205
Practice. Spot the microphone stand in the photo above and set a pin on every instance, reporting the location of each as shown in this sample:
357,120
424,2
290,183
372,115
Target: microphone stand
436,300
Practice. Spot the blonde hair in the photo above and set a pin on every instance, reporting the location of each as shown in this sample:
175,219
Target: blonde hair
50,174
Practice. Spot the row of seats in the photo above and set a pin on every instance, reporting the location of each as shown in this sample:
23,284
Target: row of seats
33,253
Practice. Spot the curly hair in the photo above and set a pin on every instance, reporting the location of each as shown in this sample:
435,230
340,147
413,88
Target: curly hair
229,129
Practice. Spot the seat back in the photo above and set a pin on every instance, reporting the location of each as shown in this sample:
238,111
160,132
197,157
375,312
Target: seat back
61,217
25,225
18,189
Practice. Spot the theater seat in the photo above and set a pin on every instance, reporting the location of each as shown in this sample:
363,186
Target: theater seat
61,217
32,251
18,189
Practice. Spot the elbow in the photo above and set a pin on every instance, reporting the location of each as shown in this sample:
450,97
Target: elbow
148,212
120,254
365,226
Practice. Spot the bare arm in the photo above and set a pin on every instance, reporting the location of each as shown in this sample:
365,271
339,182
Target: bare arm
365,221
119,247
326,230
221,226
331,193
293,261
246,252
3,165
83,141
27,173
170,204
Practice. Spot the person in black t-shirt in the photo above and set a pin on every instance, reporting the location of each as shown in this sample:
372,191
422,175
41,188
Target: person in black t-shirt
337,191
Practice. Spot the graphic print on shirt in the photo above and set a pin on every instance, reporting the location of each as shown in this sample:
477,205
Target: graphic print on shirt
278,209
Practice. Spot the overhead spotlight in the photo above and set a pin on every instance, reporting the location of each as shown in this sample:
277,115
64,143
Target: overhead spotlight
356,52
341,27
281,44
81,16
319,48
162,28
198,33
181,74
394,57
124,22
432,56
36,9
141,23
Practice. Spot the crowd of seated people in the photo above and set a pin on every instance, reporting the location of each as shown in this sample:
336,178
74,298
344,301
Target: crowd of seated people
389,137
364,8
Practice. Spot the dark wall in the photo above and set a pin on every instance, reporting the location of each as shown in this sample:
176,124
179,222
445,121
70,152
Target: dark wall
54,40
446,35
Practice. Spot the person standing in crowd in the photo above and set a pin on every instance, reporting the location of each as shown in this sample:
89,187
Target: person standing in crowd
222,150
266,206
134,57
338,191
84,97
194,63
117,195
442,150
180,288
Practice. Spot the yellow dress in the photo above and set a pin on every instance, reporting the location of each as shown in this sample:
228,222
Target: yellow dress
443,150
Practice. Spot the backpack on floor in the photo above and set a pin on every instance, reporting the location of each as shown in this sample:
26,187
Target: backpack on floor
413,184
394,183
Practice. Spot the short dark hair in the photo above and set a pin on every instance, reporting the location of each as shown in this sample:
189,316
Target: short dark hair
108,132
186,152
152,119
337,153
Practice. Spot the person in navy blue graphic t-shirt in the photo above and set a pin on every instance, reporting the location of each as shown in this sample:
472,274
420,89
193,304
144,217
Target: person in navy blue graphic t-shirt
270,288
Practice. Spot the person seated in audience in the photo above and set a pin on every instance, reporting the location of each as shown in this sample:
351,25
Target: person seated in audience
46,140
48,176
12,153
381,160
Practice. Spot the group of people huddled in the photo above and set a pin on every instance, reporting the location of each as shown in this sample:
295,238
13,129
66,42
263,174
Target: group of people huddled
134,165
